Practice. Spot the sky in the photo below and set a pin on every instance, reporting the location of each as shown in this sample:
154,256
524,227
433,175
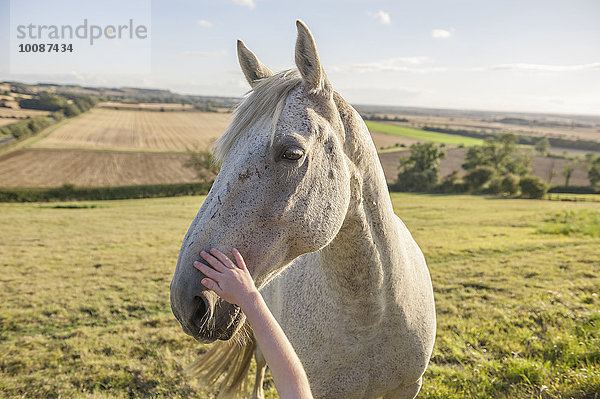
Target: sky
527,55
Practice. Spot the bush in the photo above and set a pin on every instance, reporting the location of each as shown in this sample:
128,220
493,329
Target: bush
477,178
533,187
452,184
509,185
204,164
416,181
71,110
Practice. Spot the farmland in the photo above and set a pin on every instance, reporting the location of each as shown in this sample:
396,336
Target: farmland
455,157
54,167
84,309
422,135
124,130
106,147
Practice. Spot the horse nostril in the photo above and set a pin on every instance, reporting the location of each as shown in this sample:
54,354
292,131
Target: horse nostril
200,315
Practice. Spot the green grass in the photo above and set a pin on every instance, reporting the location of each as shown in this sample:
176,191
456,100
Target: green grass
84,303
573,222
442,138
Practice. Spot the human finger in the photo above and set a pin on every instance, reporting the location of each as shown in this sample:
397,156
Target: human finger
208,271
239,260
212,285
214,262
222,257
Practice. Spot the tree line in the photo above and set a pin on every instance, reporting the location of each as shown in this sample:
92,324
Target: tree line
496,167
60,106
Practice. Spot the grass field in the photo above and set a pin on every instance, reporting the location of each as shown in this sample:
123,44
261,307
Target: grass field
125,130
84,305
422,134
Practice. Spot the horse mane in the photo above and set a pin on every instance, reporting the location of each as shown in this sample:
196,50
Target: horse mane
266,99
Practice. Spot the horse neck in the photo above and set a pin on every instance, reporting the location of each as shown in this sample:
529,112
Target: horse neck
360,264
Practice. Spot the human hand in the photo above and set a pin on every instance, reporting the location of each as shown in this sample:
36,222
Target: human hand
231,282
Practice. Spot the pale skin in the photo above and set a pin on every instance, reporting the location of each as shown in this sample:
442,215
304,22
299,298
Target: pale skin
233,282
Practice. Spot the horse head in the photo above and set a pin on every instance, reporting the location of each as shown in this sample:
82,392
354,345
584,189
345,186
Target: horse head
283,189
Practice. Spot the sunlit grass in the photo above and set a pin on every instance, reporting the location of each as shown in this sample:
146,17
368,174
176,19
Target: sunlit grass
442,138
84,304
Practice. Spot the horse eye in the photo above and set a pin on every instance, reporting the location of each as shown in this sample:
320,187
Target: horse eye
292,154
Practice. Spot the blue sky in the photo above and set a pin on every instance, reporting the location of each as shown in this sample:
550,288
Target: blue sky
541,56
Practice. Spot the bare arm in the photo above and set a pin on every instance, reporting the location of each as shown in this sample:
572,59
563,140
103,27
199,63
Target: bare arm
235,285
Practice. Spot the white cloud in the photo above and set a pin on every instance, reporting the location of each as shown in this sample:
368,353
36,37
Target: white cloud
382,16
442,33
207,54
245,3
397,64
204,23
537,67
545,67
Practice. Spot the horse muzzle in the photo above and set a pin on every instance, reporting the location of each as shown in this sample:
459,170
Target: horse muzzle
203,315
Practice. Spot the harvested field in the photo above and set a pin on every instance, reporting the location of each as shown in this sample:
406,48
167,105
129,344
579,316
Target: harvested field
124,130
52,168
384,140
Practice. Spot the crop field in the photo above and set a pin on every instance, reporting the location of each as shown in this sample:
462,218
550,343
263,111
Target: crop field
124,130
84,305
422,134
53,168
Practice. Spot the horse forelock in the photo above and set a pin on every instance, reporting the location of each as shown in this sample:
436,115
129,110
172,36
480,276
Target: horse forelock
265,101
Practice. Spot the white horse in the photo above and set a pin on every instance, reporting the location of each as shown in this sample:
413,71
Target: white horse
302,195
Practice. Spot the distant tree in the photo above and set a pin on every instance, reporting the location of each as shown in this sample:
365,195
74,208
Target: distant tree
592,165
499,153
203,163
542,147
533,187
419,171
568,169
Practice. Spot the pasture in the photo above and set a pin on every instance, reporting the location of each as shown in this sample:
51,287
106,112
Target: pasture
422,135
125,130
84,305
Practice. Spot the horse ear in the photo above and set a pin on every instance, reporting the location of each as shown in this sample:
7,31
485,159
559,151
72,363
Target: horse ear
253,69
308,63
